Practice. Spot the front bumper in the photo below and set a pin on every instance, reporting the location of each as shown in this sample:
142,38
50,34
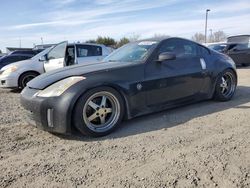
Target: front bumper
8,81
52,114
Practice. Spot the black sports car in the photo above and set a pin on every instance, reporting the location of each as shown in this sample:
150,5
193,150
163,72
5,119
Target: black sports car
138,78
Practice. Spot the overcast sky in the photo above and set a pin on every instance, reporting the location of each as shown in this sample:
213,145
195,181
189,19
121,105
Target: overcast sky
79,20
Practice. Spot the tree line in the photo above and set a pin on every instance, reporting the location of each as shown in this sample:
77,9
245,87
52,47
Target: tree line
218,36
108,41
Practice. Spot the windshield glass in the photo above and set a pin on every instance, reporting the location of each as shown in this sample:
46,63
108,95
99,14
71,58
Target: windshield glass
132,52
37,56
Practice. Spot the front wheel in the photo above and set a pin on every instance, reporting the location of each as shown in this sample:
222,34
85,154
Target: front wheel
25,78
225,86
98,112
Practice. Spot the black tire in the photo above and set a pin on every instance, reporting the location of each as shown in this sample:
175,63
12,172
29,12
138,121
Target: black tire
244,65
25,78
83,110
221,93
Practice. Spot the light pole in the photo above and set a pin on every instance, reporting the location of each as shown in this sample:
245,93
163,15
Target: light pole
211,35
206,25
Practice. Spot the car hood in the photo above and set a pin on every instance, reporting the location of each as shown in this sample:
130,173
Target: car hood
17,64
51,77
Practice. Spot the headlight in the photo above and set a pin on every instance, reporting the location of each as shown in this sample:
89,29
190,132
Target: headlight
9,70
60,87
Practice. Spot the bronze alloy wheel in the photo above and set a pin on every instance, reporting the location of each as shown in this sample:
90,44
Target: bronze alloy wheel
101,111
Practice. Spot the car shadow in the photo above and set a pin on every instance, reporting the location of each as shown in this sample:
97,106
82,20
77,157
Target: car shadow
243,67
16,90
171,118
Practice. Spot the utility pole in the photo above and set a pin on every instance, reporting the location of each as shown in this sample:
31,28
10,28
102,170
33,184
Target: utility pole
206,25
211,35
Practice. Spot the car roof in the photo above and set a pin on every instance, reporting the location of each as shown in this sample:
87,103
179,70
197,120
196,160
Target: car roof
15,55
217,44
226,43
90,44
234,36
158,39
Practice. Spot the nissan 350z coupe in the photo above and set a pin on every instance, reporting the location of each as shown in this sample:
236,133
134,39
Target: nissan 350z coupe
138,78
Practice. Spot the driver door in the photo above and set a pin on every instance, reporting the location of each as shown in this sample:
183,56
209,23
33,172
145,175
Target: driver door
176,80
56,57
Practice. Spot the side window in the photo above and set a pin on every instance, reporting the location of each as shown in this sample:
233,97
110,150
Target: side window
168,46
88,50
82,51
190,49
58,51
181,48
96,51
241,46
204,51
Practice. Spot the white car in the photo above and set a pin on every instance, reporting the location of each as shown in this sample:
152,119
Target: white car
17,75
65,54
20,73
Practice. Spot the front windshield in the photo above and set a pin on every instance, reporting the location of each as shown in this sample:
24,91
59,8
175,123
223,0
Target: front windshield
37,56
132,52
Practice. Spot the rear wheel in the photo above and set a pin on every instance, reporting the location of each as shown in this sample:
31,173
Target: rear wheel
225,86
245,65
98,112
25,78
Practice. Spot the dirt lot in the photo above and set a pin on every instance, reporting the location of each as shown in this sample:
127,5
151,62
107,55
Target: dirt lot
204,145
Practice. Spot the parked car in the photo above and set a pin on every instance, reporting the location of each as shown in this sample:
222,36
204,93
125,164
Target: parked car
138,78
65,54
11,58
239,39
26,52
19,74
239,52
220,47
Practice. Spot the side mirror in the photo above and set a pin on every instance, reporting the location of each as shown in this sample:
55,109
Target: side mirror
43,58
166,56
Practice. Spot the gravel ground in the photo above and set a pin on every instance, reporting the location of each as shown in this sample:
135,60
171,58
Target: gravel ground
200,145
